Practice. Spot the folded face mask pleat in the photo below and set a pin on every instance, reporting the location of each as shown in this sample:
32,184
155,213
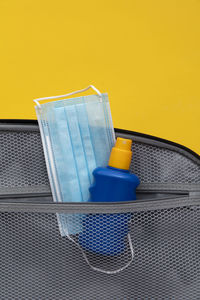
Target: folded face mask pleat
99,131
79,158
64,158
86,139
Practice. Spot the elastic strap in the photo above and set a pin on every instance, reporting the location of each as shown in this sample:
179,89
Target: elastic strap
67,95
100,269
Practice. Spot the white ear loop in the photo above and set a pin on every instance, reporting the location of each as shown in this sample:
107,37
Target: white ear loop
70,94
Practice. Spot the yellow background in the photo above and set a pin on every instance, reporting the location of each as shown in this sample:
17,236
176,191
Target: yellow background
144,53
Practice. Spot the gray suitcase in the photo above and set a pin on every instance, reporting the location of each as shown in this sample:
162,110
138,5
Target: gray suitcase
37,263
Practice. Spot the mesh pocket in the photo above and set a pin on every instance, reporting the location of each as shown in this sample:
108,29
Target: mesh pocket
104,240
37,263
22,162
23,167
142,255
154,164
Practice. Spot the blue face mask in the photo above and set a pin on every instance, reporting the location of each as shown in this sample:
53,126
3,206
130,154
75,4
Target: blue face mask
77,136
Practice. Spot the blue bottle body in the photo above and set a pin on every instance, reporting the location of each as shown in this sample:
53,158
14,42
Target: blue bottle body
105,233
113,185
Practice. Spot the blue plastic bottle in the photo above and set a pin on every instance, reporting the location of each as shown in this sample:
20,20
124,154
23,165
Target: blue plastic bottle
105,233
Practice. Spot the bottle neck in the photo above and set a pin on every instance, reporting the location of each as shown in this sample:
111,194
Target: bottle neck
121,170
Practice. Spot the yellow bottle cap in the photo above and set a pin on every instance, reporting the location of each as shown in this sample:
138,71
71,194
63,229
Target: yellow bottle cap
121,154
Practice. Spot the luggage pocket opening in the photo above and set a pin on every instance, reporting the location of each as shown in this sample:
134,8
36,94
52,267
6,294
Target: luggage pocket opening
46,197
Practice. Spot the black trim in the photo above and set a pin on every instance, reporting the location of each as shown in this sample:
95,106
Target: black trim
147,136
19,121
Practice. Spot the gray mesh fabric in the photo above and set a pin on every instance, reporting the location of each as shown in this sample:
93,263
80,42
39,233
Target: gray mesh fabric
37,263
159,247
21,159
22,163
159,165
